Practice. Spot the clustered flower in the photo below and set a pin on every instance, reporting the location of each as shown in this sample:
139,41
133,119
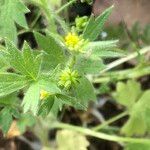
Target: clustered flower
68,78
75,43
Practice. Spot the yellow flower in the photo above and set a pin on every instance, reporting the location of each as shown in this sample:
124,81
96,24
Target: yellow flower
44,94
74,42
68,78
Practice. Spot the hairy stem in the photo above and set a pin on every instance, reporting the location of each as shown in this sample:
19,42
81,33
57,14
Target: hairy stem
104,124
101,135
65,6
123,74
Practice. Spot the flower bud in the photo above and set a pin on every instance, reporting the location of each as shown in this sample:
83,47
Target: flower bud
68,78
81,23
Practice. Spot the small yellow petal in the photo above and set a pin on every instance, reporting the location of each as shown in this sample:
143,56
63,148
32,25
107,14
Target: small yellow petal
43,94
75,43
72,40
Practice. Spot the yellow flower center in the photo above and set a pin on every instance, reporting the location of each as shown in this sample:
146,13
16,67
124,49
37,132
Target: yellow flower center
72,40
43,94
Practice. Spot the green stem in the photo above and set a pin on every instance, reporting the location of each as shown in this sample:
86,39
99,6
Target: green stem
48,13
36,19
72,61
125,59
51,22
101,126
100,135
121,75
65,6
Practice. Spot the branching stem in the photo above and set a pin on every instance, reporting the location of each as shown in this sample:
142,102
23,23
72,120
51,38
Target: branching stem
101,135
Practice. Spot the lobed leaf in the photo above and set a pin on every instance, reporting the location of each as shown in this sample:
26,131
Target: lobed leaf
127,94
84,91
10,83
49,86
89,66
5,119
25,62
139,121
31,98
95,25
105,49
11,12
54,51
71,101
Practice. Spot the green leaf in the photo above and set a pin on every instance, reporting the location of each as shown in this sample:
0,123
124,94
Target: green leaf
137,146
49,86
11,12
9,100
26,120
139,121
31,98
71,101
57,106
46,106
136,124
147,120
10,83
102,45
95,25
31,63
15,112
89,66
55,73
5,119
84,92
146,34
107,54
3,62
24,62
54,51
127,94
75,141
106,49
